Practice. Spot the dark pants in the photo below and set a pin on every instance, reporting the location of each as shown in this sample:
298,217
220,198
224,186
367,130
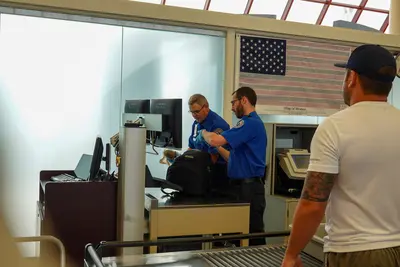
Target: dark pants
387,257
252,191
220,181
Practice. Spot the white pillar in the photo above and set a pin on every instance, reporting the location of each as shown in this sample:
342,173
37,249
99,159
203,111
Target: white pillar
229,83
131,186
394,17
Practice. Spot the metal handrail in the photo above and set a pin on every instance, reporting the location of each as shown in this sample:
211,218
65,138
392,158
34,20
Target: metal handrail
93,255
186,240
47,238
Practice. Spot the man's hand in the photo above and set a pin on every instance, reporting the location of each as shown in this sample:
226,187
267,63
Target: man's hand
212,138
292,262
218,131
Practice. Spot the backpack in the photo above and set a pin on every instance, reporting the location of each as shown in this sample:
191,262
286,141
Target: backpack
192,171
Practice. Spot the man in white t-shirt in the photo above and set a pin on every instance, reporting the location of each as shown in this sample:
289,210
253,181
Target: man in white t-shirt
354,172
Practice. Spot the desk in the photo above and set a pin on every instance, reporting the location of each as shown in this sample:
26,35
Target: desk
82,212
172,217
77,213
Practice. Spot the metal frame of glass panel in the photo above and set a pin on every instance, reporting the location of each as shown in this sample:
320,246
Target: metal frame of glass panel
362,6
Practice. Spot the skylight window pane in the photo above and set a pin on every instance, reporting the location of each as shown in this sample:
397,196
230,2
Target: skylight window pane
269,7
335,13
149,1
372,19
306,12
349,2
228,6
380,4
196,4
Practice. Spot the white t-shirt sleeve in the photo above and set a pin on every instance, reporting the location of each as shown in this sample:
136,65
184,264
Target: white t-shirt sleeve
324,149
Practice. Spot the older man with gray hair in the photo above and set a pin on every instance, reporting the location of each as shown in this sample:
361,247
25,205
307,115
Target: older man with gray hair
205,118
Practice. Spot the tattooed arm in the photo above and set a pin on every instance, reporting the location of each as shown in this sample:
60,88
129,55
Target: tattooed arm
321,176
318,186
310,210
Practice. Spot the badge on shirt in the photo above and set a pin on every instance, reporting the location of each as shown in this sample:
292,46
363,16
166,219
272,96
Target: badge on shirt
195,131
239,124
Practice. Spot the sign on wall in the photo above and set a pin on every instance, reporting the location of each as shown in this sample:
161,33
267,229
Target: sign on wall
292,76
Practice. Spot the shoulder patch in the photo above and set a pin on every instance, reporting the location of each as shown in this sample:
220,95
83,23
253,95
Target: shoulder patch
239,124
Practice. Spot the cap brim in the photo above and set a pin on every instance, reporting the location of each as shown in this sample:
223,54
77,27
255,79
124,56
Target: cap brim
340,65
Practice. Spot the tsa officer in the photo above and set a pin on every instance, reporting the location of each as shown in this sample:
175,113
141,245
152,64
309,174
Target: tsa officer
205,118
247,156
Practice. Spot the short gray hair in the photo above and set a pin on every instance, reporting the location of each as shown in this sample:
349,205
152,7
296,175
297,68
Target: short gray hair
198,99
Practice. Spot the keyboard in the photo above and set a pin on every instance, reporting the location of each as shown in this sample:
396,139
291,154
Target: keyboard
64,178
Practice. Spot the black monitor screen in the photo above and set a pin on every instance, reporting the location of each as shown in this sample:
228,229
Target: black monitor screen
96,159
165,106
137,106
172,119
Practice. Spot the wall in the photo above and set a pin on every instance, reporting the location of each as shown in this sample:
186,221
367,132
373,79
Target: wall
172,65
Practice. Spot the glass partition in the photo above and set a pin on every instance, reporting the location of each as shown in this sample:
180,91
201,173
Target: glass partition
163,64
62,84
60,88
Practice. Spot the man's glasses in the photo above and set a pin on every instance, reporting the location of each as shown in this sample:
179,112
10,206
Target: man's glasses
196,111
234,100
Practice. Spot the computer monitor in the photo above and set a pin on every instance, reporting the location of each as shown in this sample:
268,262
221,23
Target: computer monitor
82,169
107,157
295,163
137,106
96,159
299,161
171,109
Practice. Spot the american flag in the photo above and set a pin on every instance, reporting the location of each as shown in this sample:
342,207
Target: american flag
290,75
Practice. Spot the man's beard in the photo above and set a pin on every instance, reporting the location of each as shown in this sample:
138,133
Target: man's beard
239,112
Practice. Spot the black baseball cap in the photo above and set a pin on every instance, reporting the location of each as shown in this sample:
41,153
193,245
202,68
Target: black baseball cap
368,59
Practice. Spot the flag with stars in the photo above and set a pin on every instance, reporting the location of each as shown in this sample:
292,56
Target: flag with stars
293,76
263,55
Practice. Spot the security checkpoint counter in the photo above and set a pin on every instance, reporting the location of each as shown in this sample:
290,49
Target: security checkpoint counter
177,216
262,256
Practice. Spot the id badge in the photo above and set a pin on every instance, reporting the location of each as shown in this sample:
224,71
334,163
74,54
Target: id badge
195,131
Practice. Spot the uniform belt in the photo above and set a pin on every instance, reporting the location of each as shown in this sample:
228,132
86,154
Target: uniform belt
247,180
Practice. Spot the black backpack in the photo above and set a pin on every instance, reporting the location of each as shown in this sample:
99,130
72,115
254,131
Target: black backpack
192,171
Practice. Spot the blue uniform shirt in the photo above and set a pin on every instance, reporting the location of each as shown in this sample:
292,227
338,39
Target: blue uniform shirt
212,122
248,142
